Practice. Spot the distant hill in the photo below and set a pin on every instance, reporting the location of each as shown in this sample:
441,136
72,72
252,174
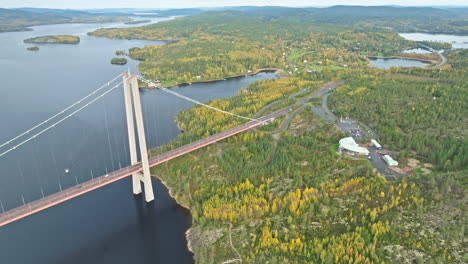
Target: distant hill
159,12
20,19
64,12
393,18
387,18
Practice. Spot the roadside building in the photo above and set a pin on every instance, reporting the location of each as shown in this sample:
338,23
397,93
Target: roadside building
389,160
349,146
376,144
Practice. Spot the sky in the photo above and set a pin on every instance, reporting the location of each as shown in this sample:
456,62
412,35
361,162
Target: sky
89,4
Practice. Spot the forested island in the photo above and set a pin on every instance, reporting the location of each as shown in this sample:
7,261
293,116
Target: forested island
119,61
120,52
285,196
33,48
54,39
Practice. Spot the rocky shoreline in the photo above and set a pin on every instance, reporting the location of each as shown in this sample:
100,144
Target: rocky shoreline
183,205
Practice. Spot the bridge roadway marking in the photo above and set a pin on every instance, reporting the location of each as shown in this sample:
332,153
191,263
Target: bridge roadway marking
98,182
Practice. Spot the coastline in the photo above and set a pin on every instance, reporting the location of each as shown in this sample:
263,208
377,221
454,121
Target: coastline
183,205
399,57
216,80
188,233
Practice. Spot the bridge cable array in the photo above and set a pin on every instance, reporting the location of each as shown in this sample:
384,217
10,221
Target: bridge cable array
198,102
59,113
63,119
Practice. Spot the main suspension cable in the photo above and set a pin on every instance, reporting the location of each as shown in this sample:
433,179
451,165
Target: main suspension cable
198,102
61,120
59,113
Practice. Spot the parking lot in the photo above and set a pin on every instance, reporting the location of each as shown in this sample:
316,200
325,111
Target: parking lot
352,128
379,164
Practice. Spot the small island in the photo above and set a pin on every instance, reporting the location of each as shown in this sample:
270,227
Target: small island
33,48
54,39
119,61
120,53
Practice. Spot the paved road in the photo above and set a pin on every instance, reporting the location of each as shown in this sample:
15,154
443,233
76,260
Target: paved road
443,59
442,62
261,111
379,164
288,119
323,111
323,90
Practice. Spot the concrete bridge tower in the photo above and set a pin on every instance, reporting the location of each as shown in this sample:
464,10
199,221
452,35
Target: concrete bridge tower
135,115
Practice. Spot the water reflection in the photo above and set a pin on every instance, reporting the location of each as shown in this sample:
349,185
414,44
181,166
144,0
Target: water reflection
387,63
458,42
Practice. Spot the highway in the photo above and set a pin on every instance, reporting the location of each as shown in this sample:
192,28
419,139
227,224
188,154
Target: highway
98,182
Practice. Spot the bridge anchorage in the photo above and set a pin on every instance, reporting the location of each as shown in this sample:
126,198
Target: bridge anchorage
134,115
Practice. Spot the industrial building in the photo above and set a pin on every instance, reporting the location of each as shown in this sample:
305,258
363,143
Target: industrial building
389,160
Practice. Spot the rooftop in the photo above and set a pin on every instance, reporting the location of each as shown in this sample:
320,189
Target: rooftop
348,143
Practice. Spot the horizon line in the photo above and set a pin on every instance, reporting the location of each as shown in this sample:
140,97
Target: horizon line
228,6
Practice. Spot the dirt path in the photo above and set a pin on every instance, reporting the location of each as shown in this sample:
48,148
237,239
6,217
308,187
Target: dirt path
233,248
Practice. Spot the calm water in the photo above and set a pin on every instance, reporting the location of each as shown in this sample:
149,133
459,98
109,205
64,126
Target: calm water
458,42
108,225
387,63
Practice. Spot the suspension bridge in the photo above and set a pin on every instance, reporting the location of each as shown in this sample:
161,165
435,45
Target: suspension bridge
139,170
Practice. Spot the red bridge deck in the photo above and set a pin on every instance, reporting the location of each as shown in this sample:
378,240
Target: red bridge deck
98,182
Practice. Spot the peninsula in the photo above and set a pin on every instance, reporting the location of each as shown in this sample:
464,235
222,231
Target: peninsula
137,22
54,39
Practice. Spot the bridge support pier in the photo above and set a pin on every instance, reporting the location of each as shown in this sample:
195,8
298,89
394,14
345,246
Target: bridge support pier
135,115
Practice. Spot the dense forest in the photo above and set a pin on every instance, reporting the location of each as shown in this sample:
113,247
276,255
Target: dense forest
301,202
269,197
459,58
421,113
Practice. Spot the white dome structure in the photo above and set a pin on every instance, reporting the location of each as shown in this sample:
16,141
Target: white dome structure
349,145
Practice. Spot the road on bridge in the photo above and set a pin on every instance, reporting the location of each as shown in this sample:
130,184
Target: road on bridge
98,182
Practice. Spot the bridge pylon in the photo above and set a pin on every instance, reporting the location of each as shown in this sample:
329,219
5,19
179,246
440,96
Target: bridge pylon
135,115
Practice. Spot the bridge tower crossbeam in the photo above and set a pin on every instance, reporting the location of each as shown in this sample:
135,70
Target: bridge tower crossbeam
134,115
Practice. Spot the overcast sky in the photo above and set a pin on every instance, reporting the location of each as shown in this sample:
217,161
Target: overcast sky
83,4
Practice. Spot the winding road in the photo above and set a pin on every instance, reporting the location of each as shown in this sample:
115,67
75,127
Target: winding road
442,62
443,59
